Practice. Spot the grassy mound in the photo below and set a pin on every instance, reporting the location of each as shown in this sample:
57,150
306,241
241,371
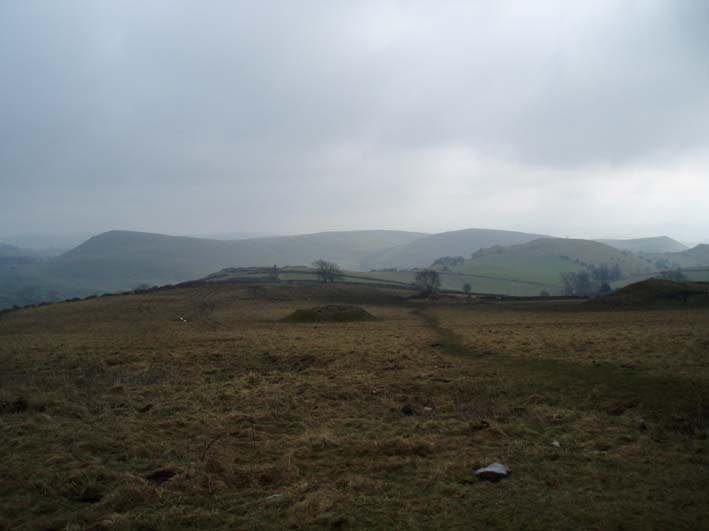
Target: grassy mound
332,313
654,293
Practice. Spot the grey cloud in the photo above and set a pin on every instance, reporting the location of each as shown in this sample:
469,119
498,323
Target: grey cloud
268,116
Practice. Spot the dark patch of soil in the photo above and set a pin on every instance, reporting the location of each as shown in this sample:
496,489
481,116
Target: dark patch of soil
90,497
160,476
332,313
16,406
408,410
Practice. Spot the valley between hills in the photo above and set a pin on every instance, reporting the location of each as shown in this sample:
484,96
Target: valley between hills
490,261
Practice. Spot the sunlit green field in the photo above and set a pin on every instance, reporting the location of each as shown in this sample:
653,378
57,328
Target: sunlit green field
542,269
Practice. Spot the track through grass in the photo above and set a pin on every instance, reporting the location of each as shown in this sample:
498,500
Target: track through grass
678,401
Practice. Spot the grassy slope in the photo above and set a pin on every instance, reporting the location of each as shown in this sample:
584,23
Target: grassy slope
695,257
659,244
694,262
533,268
423,251
132,419
120,260
495,274
680,260
480,283
345,248
542,261
528,268
587,251
449,281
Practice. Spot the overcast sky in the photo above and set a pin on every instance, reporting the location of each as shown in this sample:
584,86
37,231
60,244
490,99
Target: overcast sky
585,119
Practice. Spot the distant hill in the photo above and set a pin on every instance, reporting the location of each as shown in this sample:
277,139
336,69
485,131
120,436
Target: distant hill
700,253
121,260
504,262
659,244
12,257
55,244
229,236
695,257
423,251
543,260
14,251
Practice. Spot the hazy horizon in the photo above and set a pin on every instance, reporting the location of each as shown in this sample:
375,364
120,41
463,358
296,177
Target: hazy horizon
42,241
275,118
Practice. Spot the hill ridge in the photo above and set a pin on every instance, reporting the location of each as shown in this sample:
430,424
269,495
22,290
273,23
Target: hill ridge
462,242
652,244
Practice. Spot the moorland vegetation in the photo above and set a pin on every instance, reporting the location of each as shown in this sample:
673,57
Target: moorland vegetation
205,407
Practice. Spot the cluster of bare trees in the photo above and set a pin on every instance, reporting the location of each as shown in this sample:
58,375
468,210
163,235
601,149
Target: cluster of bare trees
595,281
326,271
428,281
449,261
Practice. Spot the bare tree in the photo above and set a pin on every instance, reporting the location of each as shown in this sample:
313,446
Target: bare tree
579,283
568,280
326,271
428,281
467,288
449,261
602,274
616,272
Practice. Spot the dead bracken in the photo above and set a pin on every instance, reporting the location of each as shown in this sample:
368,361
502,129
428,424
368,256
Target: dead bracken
656,293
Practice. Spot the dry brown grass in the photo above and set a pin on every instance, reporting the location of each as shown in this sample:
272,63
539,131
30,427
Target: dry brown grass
654,340
118,415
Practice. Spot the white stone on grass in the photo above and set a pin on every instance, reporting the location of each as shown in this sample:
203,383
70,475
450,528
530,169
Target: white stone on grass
494,472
